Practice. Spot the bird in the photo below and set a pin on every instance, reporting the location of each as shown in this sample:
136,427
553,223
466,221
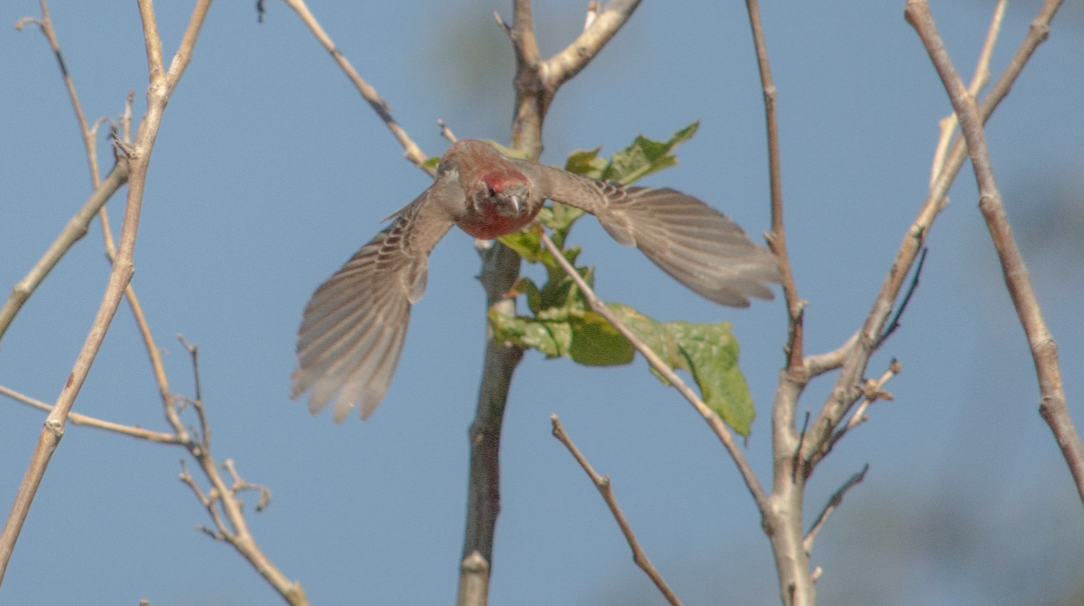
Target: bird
353,328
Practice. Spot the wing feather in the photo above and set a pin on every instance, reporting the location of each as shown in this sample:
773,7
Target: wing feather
694,243
354,326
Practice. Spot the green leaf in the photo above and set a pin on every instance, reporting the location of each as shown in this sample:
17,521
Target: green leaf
552,339
646,156
431,162
534,296
559,218
595,342
652,332
711,352
586,163
527,243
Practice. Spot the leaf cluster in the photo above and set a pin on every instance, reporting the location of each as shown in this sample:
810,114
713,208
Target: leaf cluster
562,323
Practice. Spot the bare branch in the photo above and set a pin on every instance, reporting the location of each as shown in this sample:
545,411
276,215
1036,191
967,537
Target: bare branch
819,364
833,504
1044,350
600,27
412,152
777,239
75,229
713,420
606,490
89,140
119,277
978,81
78,419
848,387
874,391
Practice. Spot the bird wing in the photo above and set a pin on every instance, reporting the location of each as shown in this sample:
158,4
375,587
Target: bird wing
354,326
694,243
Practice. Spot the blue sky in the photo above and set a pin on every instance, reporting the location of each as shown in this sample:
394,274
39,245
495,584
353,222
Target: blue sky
270,172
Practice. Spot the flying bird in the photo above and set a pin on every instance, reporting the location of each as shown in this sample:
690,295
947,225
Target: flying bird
354,326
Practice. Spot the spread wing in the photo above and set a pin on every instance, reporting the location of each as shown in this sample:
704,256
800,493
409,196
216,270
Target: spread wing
694,243
354,326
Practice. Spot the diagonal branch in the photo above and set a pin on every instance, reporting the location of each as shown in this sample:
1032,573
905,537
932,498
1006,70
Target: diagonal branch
848,387
605,488
1044,349
412,152
713,420
831,506
157,97
75,229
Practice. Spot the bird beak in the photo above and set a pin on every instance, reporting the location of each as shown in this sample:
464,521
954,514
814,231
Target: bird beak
517,203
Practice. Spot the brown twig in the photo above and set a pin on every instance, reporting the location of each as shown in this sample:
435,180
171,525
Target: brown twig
605,488
1044,349
848,387
226,507
75,229
412,152
783,516
831,506
713,420
157,96
78,419
777,238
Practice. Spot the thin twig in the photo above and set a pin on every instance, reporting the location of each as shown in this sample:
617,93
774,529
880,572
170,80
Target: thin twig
979,80
75,229
446,132
89,140
874,390
895,323
605,488
78,419
848,386
710,416
121,274
777,238
833,504
1044,349
412,152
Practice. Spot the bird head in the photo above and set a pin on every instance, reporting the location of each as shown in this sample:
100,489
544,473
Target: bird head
504,193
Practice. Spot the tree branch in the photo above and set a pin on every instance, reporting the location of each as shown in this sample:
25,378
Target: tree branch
713,420
78,419
1044,349
848,387
500,269
121,274
75,229
605,488
412,152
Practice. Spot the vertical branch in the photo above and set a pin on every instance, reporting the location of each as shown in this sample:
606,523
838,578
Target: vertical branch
777,238
1044,349
782,519
138,159
536,83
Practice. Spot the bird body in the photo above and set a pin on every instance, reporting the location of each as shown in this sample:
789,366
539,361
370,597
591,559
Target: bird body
354,326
